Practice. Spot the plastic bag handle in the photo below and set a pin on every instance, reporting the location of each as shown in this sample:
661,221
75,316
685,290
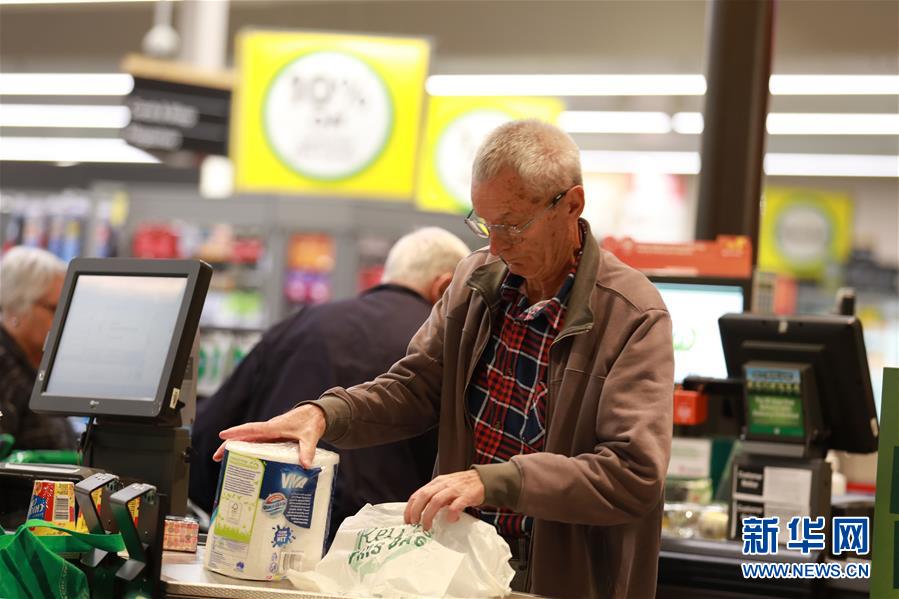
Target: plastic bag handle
73,542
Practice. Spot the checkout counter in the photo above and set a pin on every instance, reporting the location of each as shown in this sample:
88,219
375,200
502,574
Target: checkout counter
183,577
796,387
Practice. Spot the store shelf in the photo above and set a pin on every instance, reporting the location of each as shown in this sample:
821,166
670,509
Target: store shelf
277,218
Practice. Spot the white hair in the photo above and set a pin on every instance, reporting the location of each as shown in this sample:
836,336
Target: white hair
26,274
423,255
545,158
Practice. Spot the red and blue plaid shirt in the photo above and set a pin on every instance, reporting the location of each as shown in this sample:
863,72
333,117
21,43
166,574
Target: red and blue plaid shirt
507,395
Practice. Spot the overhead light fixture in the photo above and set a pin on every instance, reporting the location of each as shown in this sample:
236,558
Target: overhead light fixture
587,121
796,123
797,165
649,85
565,85
805,123
74,150
833,85
832,165
5,2
118,84
687,123
57,115
65,84
672,163
71,149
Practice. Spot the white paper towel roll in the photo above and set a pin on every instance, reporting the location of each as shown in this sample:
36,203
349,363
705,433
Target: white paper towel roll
270,513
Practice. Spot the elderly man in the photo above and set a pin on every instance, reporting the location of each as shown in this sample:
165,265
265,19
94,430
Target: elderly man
30,283
549,366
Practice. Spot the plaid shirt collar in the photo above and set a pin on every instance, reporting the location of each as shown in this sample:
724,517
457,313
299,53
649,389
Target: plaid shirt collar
512,286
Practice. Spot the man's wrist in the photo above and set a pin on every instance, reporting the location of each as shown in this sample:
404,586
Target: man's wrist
336,416
502,483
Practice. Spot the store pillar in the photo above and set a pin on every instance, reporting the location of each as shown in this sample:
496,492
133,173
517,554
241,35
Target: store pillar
738,65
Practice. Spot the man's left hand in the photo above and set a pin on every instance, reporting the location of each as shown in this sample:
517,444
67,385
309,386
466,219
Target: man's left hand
455,492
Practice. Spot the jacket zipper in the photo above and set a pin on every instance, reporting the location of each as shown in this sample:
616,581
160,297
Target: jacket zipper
549,395
577,331
530,565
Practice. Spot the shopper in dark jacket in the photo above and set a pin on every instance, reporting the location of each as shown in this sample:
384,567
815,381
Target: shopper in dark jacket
30,283
341,343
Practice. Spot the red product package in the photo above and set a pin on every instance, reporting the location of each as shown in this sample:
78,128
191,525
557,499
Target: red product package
54,502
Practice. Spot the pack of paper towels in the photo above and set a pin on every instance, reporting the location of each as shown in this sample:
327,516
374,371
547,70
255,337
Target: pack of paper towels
270,513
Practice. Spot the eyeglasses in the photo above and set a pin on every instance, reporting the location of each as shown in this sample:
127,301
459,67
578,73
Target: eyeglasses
483,230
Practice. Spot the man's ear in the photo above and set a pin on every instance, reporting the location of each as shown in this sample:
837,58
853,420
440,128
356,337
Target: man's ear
575,204
438,286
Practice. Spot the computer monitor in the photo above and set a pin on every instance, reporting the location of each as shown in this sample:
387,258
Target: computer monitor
121,338
695,306
832,350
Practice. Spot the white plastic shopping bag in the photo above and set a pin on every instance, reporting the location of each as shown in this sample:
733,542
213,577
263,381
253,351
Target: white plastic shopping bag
376,554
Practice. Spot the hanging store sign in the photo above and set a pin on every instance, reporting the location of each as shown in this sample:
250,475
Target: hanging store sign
328,113
456,127
805,233
727,256
176,107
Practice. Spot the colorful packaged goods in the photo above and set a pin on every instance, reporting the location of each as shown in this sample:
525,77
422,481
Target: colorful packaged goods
53,502
181,534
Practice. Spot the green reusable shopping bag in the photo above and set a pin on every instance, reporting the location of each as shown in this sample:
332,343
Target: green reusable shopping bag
31,567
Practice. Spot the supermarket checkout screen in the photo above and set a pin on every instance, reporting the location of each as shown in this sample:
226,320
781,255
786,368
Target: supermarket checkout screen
116,336
695,309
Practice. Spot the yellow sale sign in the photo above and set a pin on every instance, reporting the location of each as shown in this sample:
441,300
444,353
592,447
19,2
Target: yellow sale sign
323,113
456,127
804,231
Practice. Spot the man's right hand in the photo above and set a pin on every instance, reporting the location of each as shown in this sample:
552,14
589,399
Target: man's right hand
304,424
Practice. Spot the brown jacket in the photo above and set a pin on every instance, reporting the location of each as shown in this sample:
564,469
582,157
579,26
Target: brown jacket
596,491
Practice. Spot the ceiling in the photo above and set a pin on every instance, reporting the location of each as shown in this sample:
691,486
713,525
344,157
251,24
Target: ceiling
811,36
492,36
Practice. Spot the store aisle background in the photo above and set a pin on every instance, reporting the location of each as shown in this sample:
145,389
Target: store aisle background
281,251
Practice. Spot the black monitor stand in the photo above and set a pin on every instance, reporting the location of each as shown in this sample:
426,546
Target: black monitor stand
156,451
145,453
780,469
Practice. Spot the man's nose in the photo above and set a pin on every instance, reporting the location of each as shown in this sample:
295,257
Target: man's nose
498,244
